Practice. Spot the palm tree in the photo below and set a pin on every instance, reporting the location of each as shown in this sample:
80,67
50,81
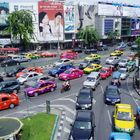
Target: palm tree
89,35
21,26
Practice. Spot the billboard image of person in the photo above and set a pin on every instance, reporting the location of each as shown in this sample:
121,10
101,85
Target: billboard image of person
4,11
51,21
69,18
135,26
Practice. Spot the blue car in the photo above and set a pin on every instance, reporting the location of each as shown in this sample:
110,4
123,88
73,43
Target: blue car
119,136
59,69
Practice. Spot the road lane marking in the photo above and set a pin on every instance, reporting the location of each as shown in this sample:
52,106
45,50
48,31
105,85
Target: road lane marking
102,89
66,130
109,116
69,119
64,99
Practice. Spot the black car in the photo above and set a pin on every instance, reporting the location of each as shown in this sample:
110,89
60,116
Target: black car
9,62
112,95
79,50
103,48
84,99
90,51
86,63
83,126
14,71
9,86
1,79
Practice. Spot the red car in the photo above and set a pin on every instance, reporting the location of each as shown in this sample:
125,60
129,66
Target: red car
69,55
8,100
29,69
71,74
105,72
48,54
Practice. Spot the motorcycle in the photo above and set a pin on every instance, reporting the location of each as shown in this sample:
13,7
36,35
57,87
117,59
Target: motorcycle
65,88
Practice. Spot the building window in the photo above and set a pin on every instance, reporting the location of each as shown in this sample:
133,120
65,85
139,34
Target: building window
108,26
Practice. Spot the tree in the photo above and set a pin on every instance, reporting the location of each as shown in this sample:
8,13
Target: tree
89,35
113,36
21,26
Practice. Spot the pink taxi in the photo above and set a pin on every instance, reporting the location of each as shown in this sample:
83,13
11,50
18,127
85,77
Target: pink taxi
70,74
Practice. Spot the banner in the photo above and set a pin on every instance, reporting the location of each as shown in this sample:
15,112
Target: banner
69,18
135,26
84,16
4,12
51,21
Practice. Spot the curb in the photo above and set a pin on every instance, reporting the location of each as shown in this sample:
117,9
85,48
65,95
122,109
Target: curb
134,86
54,128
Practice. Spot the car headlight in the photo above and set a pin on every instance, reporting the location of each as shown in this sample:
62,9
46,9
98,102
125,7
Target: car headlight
87,105
129,129
91,138
30,92
77,104
108,99
117,100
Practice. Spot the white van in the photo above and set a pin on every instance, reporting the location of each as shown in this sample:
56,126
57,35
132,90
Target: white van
19,58
92,80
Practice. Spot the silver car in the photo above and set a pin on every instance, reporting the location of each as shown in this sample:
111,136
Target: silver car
63,61
124,73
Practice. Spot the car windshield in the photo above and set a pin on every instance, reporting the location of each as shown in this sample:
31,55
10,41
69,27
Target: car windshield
126,116
25,70
90,79
24,76
122,71
35,85
112,92
103,71
111,58
57,67
91,67
82,125
60,61
85,61
67,71
84,96
123,61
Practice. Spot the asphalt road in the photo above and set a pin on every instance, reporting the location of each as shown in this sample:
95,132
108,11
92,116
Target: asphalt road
103,113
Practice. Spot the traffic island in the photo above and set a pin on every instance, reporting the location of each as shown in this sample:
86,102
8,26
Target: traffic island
38,127
10,128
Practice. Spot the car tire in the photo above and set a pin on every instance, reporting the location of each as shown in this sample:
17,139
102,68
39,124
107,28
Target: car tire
36,94
52,89
12,106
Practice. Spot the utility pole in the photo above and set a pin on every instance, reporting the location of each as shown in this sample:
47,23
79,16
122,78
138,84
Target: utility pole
58,43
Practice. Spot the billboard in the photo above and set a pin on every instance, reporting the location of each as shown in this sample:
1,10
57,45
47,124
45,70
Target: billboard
69,18
51,21
84,16
118,10
4,11
135,26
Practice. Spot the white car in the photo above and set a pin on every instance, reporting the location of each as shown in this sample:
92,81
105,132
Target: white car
123,62
28,76
110,60
124,73
63,61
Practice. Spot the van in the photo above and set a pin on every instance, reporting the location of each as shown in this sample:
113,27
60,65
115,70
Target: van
92,80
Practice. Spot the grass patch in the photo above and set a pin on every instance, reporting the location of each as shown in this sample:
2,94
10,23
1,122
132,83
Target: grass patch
38,127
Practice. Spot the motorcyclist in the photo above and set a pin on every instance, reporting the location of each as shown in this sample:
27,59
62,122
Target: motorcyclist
66,84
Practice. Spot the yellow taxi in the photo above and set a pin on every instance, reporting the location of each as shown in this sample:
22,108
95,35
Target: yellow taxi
116,53
92,67
93,57
32,56
124,120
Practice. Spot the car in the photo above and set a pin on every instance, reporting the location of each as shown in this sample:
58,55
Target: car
132,56
59,69
13,72
124,73
9,62
134,47
123,62
28,76
69,55
113,59
92,80
32,56
116,53
123,117
116,79
70,74
105,72
86,63
112,95
121,46
9,86
93,56
84,99
48,54
63,61
8,100
90,51
3,57
103,48
138,114
40,87
131,65
92,67
29,69
1,79
83,126
78,50
119,136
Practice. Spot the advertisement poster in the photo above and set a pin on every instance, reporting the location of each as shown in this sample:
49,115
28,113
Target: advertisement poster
84,16
4,11
135,26
69,18
51,21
